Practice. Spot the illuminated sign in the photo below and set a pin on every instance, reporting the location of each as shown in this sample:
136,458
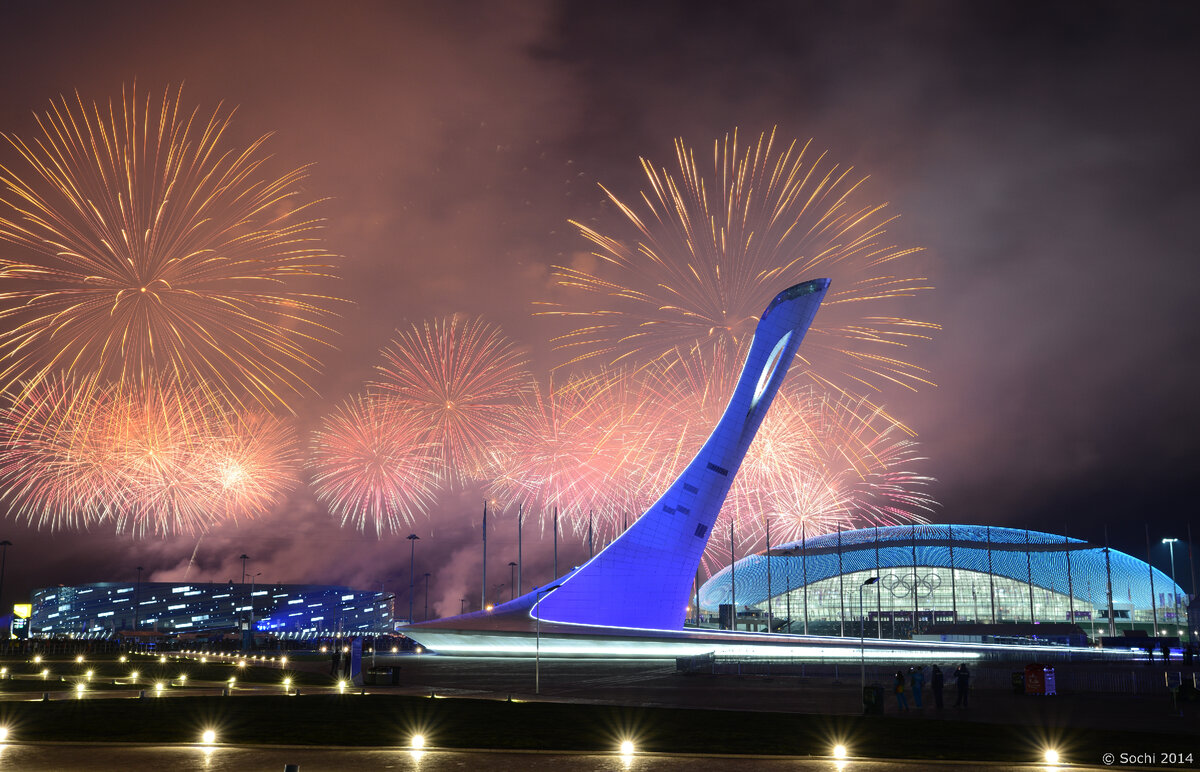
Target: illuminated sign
20,621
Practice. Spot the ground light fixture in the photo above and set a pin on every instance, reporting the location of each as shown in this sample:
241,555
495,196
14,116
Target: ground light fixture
287,684
89,674
627,747
123,658
79,659
158,687
78,690
839,751
1050,756
341,686
183,678
45,673
133,676
3,734
37,659
417,742
209,737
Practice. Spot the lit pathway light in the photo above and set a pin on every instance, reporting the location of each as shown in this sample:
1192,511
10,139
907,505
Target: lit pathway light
418,742
209,737
839,751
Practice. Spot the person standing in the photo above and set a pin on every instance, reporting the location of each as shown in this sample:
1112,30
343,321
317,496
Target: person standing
901,700
916,677
962,682
937,681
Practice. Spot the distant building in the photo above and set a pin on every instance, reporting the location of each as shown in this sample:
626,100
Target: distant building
104,609
937,575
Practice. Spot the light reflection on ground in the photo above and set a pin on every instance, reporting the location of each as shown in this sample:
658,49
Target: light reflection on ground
111,758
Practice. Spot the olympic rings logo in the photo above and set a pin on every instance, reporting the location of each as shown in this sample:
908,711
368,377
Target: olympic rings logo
901,585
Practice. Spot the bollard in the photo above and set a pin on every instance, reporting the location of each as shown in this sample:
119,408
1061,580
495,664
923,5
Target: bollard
142,694
45,696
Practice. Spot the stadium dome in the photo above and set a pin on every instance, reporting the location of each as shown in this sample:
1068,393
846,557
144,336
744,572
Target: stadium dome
947,574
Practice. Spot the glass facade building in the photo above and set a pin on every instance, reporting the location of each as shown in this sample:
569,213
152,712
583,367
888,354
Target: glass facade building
104,609
946,574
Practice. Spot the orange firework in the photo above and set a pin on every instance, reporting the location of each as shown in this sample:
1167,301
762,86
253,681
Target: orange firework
141,246
156,458
371,467
709,253
575,449
462,379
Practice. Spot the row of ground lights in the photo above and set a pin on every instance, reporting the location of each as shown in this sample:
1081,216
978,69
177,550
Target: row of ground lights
417,743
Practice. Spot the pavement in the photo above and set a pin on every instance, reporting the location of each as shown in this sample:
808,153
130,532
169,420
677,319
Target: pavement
176,758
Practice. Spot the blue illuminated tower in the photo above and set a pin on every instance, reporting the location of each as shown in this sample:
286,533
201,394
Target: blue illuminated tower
643,578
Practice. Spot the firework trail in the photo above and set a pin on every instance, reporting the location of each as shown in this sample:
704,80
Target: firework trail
153,459
462,380
371,465
141,246
711,252
575,448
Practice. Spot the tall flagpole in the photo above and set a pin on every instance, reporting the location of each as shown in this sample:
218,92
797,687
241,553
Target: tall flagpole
520,561
556,542
483,595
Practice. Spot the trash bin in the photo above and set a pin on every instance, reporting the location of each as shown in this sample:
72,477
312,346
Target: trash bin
1039,679
873,699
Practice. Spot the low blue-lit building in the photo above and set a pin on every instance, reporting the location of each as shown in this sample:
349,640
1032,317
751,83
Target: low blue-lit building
106,609
946,574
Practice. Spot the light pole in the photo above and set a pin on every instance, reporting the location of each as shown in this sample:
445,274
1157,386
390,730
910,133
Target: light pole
462,607
862,626
244,558
137,597
537,651
512,573
251,626
412,551
426,596
3,562
1169,542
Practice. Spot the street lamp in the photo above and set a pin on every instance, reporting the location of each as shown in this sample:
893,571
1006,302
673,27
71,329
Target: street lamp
426,596
3,561
412,551
512,578
1170,545
244,557
137,597
537,651
862,626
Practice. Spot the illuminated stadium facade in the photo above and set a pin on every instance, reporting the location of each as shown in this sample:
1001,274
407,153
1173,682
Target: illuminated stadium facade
948,574
107,609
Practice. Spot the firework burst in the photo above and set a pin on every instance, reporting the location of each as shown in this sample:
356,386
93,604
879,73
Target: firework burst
819,459
154,459
711,252
462,380
142,247
371,466
575,449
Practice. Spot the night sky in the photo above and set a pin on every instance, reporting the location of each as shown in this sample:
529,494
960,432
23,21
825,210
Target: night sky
1045,155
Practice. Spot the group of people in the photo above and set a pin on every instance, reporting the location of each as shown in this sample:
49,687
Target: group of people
915,684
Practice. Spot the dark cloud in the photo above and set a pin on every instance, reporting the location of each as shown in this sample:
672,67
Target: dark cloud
1044,154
